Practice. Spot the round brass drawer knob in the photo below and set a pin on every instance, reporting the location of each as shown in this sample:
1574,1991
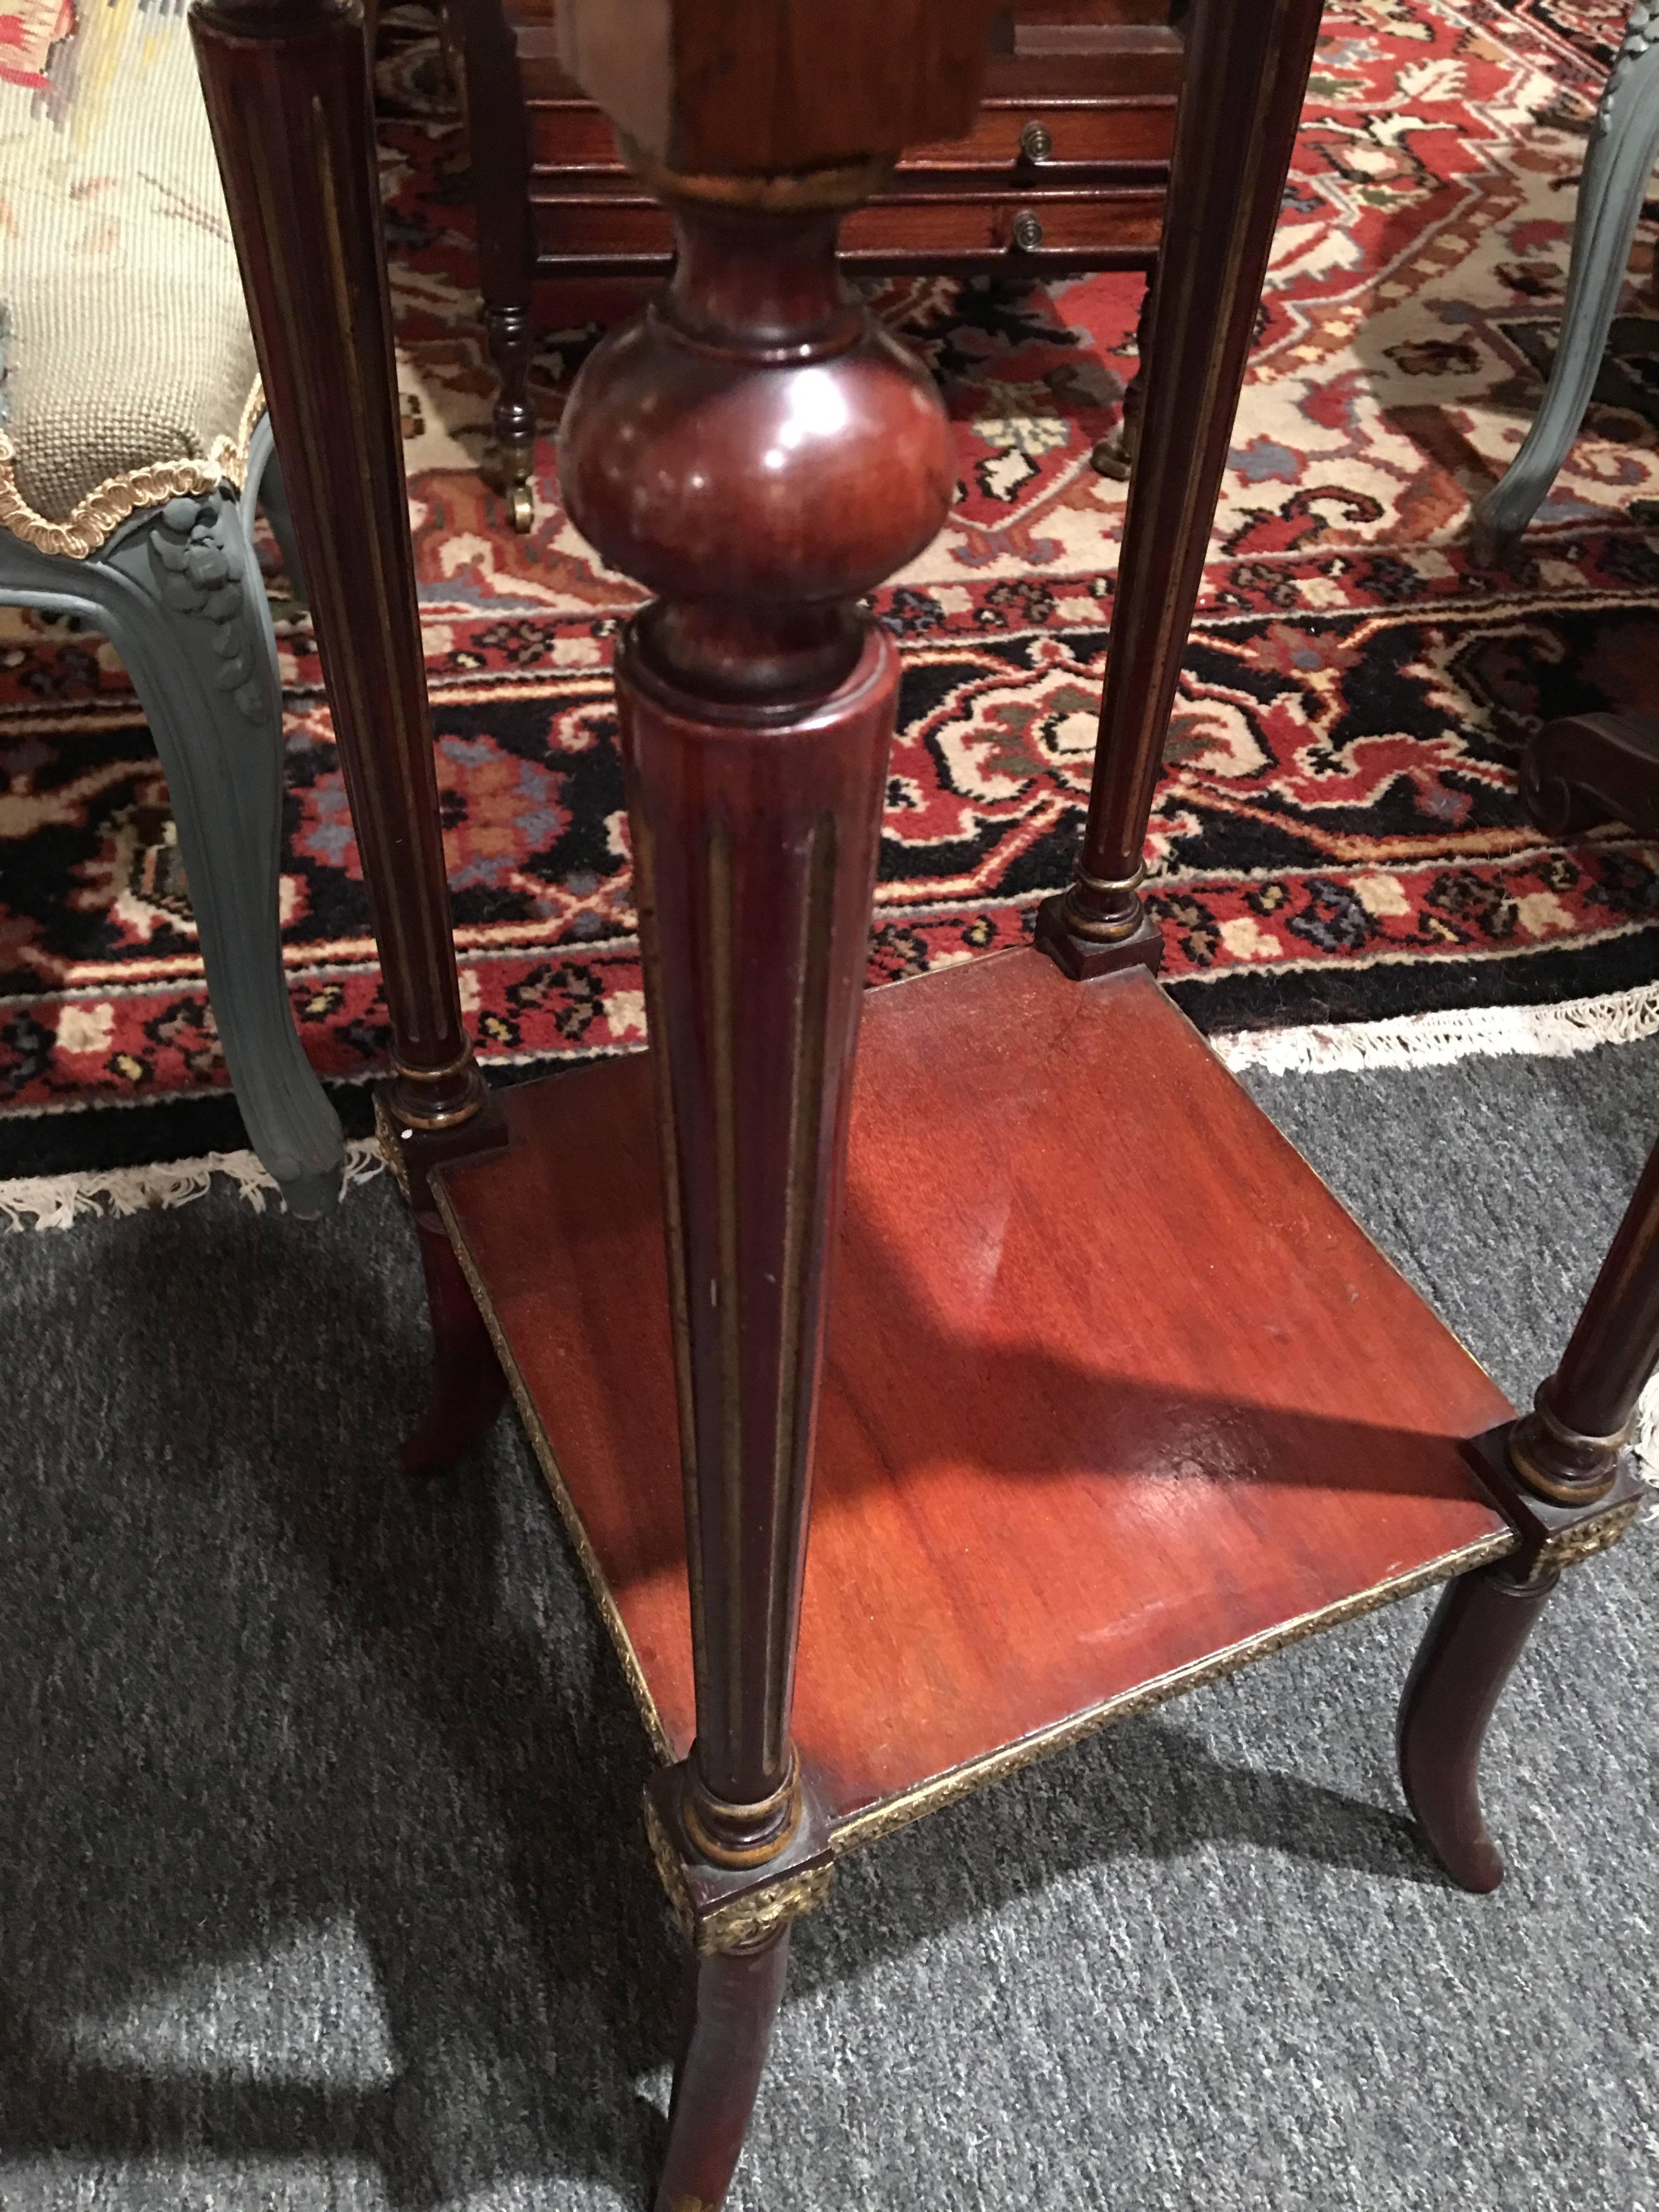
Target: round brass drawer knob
1028,231
1035,142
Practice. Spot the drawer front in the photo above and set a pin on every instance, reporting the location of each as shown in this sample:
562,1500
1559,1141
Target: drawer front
1024,141
1039,112
571,135
1021,143
616,228
970,230
994,228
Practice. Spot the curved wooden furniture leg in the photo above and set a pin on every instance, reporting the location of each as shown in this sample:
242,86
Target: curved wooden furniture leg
468,1386
727,2007
1468,1653
1563,1475
287,94
1588,769
1623,145
499,154
1249,60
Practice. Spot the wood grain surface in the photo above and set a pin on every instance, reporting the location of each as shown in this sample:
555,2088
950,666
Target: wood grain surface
1116,1389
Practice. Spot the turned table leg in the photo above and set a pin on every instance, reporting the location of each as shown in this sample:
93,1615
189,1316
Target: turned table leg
1468,1651
1247,61
288,92
498,154
1562,1473
759,451
1114,455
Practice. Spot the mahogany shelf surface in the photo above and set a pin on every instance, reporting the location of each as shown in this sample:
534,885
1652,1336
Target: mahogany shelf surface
1117,1397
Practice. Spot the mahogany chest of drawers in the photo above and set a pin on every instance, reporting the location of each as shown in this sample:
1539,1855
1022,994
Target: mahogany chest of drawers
1063,170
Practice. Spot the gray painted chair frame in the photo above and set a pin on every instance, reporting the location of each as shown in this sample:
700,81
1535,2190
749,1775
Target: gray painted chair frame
1623,149
177,590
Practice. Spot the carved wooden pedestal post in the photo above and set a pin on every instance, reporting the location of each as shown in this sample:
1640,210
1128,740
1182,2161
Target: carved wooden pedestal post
1247,61
760,452
1564,1475
288,90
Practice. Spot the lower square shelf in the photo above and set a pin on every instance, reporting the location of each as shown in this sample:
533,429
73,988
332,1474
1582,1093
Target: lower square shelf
1117,1397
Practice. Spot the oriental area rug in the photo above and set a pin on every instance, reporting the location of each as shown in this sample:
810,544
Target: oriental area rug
1337,835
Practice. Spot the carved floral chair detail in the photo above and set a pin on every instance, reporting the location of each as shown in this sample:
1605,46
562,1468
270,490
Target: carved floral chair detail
133,447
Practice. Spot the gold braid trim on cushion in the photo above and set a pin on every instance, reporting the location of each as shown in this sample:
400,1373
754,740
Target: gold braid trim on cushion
111,501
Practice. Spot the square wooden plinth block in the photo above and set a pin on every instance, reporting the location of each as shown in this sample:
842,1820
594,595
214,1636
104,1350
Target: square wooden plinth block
1117,1395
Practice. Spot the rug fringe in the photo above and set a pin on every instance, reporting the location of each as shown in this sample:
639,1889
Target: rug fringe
61,1201
1438,1040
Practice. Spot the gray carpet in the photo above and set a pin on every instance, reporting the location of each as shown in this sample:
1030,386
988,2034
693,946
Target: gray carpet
323,1878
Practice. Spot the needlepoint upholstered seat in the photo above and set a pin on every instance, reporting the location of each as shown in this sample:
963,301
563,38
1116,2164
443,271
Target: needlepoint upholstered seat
133,446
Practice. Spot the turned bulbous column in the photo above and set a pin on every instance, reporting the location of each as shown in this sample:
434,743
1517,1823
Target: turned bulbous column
760,452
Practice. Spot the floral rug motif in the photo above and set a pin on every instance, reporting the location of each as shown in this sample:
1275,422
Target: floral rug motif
1336,833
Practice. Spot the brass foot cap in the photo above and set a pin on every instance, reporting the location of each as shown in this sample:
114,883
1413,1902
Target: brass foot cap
1082,958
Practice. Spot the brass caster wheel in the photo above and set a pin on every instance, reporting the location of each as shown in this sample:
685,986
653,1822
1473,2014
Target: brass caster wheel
522,508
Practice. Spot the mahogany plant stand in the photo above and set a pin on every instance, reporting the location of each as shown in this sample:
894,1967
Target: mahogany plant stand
1100,1392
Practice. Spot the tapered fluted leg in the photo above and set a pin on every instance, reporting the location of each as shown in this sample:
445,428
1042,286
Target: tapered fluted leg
498,152
1115,454
1568,1449
727,2006
1468,1653
1247,60
288,93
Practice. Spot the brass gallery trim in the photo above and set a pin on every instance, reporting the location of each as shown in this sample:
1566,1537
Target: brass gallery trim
392,1151
942,1789
749,1918
1584,1540
572,1519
